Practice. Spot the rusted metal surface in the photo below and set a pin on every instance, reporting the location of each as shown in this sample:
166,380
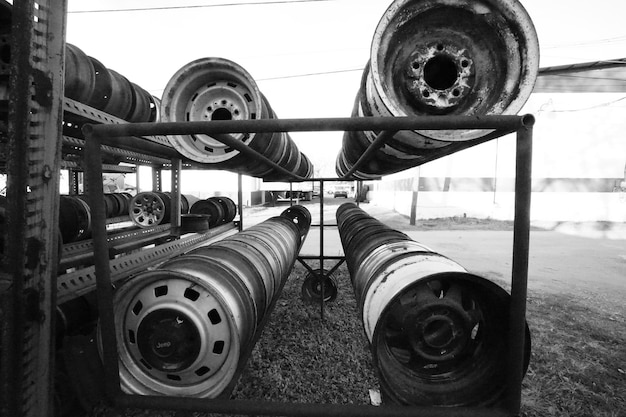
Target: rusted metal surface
34,145
290,409
519,273
440,58
506,123
510,123
452,57
82,281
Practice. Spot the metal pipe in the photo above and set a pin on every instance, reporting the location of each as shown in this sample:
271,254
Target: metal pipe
240,200
315,257
321,257
103,277
249,407
327,179
380,141
519,282
504,122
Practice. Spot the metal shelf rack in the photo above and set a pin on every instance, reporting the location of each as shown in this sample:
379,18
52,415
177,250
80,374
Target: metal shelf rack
99,135
34,144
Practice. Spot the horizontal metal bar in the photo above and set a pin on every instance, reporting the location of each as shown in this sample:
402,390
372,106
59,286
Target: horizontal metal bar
504,122
82,281
120,169
324,179
273,408
129,156
317,257
82,252
80,113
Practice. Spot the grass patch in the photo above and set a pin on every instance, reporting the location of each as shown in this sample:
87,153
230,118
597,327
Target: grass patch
578,364
300,358
401,222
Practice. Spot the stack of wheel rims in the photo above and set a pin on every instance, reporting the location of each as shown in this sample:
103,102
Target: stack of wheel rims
438,334
182,328
219,89
440,58
88,81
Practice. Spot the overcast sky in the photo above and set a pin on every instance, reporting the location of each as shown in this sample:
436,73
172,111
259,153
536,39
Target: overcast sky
307,56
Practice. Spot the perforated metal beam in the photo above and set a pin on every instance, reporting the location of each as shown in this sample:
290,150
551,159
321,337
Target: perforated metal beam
83,281
34,153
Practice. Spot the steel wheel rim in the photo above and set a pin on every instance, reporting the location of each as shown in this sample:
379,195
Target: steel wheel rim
312,287
200,306
243,269
447,334
149,209
259,260
510,44
211,89
80,76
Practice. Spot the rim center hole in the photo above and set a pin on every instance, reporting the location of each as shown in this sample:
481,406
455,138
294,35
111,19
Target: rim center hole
438,333
440,72
221,114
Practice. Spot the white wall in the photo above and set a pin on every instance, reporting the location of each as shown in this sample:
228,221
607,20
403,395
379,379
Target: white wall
579,154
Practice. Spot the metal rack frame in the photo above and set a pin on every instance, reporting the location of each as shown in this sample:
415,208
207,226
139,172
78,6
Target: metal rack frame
99,135
149,150
35,140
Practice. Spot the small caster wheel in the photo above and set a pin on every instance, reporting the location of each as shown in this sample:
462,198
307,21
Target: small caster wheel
312,287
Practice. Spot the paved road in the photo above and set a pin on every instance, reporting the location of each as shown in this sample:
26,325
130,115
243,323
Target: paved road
559,262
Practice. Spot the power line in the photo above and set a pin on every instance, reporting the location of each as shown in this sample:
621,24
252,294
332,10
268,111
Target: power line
597,106
616,39
583,77
201,6
310,74
283,77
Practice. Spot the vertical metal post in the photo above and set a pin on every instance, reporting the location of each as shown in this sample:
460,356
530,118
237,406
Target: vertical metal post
521,246
416,188
73,181
322,276
157,184
175,196
495,173
138,179
101,264
240,200
28,301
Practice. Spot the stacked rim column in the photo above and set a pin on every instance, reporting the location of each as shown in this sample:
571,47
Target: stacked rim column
88,81
183,328
210,89
438,334
441,58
